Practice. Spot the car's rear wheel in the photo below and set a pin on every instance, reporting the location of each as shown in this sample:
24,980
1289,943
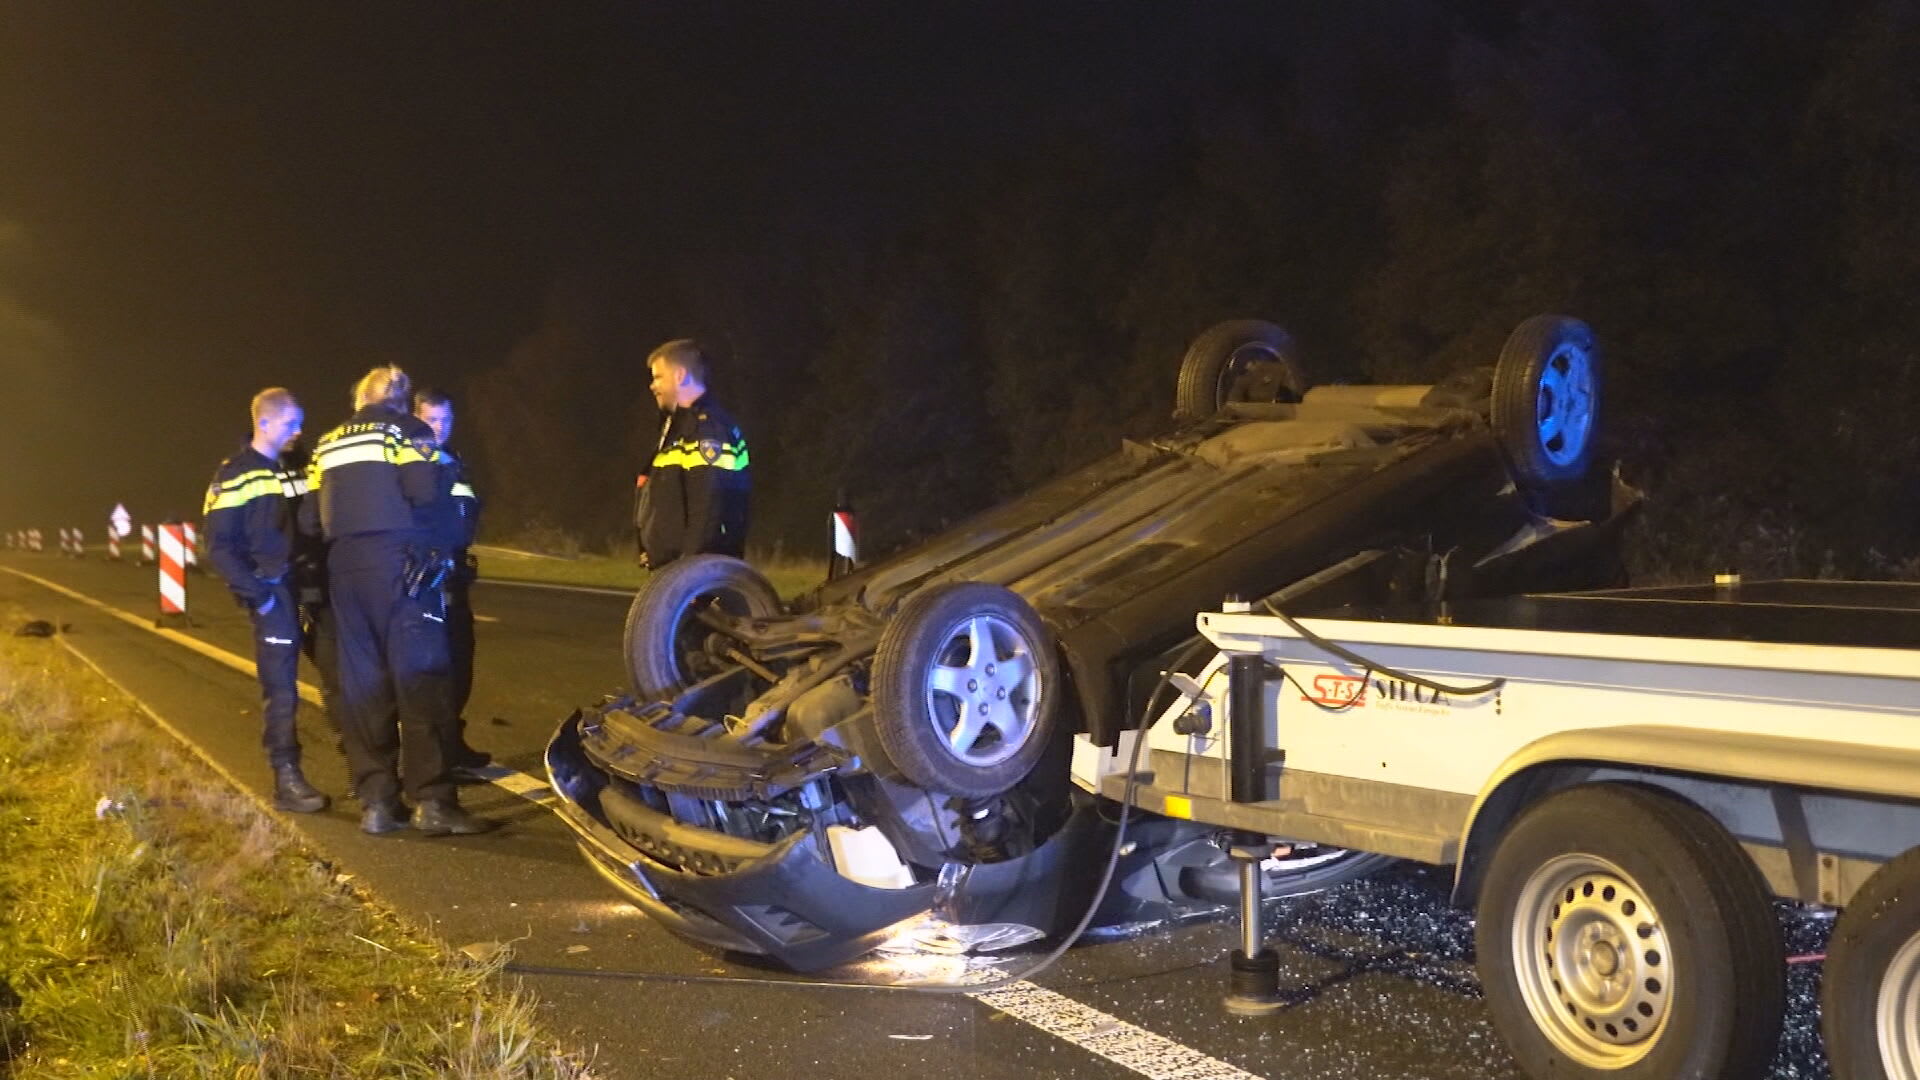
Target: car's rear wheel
1238,360
1546,401
1870,990
1623,933
666,638
964,682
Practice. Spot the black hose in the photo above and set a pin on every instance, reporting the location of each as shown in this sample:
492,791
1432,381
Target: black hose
1354,658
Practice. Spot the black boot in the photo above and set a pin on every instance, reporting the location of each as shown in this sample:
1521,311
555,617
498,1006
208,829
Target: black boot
383,817
291,792
445,818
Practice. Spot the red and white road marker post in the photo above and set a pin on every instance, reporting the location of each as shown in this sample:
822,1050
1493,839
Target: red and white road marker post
113,545
147,556
119,524
173,575
846,540
193,545
33,540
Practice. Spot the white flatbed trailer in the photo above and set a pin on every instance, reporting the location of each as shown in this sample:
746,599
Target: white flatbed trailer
1623,781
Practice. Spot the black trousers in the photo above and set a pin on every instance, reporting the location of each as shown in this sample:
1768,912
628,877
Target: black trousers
393,665
321,643
276,660
460,648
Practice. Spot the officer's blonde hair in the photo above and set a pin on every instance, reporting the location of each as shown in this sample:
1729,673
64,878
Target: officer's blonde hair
685,354
272,402
384,385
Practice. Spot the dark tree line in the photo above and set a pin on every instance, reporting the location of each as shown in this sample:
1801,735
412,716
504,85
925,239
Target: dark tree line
1729,193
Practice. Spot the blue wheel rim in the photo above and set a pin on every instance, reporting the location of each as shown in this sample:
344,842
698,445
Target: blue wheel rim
1563,411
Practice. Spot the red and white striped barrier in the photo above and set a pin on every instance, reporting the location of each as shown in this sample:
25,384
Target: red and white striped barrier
73,544
193,545
33,539
146,545
113,544
173,570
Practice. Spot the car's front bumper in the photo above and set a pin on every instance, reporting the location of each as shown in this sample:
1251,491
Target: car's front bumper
785,900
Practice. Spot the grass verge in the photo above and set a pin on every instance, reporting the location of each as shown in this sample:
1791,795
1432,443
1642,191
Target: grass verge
790,577
160,925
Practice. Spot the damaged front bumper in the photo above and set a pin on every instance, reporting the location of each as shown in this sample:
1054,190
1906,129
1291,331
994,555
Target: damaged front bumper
787,900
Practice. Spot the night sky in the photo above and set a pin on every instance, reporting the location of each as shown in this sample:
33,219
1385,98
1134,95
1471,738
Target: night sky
955,247
199,200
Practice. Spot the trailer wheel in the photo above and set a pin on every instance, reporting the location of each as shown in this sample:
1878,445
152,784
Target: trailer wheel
665,639
1238,360
1870,990
1546,401
1623,933
963,689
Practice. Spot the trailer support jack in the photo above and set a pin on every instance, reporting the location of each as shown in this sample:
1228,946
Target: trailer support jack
1253,986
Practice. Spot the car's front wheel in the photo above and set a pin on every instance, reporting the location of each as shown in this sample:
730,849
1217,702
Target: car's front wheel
667,635
964,686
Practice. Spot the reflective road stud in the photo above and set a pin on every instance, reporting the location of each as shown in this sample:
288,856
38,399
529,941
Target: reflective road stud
173,573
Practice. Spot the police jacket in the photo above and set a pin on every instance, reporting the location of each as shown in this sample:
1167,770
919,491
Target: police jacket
693,497
375,474
456,514
249,517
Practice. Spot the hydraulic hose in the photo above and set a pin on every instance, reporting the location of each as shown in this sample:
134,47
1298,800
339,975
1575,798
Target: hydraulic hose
1354,658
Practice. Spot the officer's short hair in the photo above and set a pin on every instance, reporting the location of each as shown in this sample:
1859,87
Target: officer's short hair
685,354
384,385
271,402
430,395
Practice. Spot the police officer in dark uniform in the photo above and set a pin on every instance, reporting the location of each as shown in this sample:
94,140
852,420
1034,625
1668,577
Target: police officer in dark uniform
456,522
692,498
250,511
376,484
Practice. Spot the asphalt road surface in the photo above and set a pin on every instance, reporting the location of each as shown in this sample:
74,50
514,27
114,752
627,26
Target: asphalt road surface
1378,976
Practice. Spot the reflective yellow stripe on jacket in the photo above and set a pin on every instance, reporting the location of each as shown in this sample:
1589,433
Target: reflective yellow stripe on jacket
731,457
241,490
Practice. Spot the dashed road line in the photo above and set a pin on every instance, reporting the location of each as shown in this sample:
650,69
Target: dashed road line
1129,1046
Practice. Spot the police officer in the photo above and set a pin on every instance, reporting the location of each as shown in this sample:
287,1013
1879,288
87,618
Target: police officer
456,521
692,498
376,484
249,514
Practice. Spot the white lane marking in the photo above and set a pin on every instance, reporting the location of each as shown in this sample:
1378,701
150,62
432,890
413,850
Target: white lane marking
516,553
486,618
603,591
1127,1045
527,787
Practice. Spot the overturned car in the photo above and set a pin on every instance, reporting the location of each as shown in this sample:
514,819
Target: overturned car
792,780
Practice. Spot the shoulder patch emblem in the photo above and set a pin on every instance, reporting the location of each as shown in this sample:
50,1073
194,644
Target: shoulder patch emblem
710,450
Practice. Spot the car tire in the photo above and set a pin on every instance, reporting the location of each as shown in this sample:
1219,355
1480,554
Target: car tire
661,633
1622,933
1870,990
1238,360
1546,402
964,686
